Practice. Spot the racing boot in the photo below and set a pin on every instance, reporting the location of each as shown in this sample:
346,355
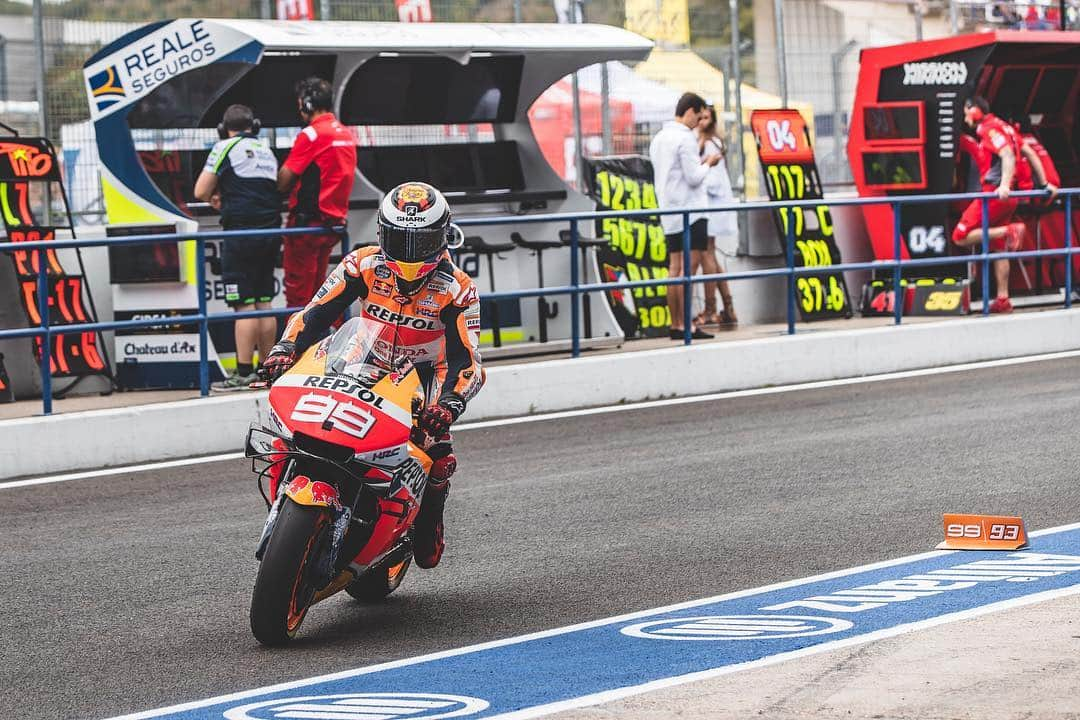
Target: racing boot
427,531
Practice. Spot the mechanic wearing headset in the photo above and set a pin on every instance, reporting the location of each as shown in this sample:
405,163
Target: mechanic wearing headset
319,172
239,180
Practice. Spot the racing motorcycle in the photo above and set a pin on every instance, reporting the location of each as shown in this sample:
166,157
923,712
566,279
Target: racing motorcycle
344,479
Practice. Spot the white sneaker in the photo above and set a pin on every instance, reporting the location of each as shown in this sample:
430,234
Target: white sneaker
235,382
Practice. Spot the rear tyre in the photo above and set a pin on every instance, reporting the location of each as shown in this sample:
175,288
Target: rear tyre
286,582
372,587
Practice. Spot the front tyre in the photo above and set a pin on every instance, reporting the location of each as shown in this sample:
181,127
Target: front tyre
288,574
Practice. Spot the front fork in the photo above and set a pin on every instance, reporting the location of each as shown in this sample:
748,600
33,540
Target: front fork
277,470
302,490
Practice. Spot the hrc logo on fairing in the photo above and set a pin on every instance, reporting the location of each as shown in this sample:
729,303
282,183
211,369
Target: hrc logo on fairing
106,88
736,627
361,706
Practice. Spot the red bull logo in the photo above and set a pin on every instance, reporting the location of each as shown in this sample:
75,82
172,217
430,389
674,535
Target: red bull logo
305,491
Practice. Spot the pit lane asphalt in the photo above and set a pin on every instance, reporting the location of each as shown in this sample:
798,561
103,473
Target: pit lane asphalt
131,592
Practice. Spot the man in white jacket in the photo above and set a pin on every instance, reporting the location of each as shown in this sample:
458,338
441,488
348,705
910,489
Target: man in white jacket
679,174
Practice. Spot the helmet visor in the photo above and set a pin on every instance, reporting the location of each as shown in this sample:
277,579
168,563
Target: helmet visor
411,245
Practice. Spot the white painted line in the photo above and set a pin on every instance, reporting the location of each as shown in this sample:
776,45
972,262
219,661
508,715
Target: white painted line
646,405
243,695
123,470
618,694
732,394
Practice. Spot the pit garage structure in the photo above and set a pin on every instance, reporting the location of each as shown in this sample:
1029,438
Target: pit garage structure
445,103
905,128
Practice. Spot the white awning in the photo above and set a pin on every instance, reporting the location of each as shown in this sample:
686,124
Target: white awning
653,102
443,38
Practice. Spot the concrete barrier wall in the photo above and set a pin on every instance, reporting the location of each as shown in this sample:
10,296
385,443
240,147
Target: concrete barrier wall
101,438
738,365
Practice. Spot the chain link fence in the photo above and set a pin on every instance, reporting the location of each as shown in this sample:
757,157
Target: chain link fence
76,29
821,43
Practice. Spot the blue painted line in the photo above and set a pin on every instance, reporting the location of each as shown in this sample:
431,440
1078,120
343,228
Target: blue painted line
568,667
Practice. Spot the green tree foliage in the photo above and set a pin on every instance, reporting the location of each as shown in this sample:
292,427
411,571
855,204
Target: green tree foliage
10,7
65,97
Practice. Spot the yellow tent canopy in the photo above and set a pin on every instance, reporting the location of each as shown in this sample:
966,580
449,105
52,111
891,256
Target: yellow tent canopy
685,71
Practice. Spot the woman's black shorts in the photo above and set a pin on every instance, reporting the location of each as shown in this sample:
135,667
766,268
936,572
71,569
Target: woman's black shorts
699,237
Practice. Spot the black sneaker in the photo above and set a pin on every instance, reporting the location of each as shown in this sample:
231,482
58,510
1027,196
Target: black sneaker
428,543
700,334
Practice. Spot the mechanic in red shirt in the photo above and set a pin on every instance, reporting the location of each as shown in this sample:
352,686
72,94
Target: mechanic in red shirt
319,171
1034,168
1050,178
998,151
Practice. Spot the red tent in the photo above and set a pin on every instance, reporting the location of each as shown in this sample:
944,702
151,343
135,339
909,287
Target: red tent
552,119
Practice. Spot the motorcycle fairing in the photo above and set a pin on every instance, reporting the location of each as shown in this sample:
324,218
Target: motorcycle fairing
340,391
340,411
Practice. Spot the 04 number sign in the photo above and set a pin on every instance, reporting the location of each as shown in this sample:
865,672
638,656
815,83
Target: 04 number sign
790,173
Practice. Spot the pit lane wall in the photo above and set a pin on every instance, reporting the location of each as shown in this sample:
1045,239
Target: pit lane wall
102,438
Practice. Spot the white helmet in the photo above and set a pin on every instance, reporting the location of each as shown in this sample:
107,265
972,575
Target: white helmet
414,230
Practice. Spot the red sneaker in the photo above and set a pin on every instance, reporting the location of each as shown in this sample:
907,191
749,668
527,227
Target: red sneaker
1001,305
1014,239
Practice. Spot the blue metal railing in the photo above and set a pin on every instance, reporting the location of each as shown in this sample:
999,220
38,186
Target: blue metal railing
790,271
45,331
203,319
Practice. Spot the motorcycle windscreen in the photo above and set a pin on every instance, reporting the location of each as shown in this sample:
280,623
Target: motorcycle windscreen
377,355
364,349
350,390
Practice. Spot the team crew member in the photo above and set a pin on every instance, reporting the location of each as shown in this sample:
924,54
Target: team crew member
1051,177
412,290
240,181
319,172
680,174
998,152
1034,169
1030,144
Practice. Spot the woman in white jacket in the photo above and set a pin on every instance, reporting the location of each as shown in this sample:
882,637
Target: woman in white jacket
723,226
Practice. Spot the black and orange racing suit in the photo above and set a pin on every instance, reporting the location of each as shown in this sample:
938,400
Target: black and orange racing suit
437,328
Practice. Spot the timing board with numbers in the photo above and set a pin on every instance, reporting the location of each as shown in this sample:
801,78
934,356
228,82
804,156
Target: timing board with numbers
790,172
31,195
637,249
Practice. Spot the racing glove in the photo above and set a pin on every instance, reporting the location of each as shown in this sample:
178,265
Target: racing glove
280,358
435,420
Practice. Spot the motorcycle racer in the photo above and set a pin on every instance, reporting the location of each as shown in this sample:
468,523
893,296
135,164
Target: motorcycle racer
430,312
